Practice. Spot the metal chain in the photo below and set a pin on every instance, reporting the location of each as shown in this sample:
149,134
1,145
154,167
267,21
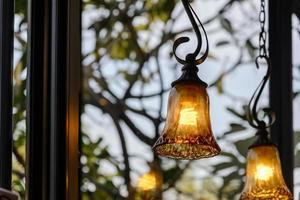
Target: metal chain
253,113
262,34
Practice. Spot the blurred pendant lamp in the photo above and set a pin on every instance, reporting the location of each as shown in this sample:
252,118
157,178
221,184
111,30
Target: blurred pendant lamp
264,178
150,184
187,133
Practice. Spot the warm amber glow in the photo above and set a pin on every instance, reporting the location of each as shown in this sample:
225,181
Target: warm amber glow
187,133
149,186
188,116
148,181
264,177
263,172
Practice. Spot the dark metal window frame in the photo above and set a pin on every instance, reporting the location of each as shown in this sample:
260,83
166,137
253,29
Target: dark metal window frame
6,66
53,99
65,99
38,70
281,92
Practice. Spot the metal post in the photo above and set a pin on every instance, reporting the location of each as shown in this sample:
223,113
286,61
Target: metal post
74,95
281,100
37,158
6,66
53,99
65,89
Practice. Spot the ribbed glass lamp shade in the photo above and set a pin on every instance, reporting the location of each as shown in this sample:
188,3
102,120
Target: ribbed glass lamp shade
264,178
187,133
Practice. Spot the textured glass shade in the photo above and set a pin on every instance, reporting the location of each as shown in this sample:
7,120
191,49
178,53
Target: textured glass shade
264,178
187,133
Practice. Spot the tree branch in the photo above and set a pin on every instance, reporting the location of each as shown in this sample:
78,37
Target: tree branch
126,171
18,156
137,132
116,110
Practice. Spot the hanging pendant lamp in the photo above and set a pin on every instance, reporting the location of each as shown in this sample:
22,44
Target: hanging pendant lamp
264,180
150,184
264,177
187,133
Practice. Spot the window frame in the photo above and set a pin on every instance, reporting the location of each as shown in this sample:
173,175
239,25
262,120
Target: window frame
6,95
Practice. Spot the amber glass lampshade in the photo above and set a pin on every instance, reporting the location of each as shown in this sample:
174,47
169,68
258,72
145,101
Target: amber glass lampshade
264,178
187,133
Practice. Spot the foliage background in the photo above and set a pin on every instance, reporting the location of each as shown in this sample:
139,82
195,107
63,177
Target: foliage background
128,67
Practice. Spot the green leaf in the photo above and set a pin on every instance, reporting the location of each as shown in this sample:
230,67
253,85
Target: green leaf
170,174
220,85
297,159
233,175
226,24
120,50
222,43
21,7
229,155
296,138
160,10
243,116
295,95
234,127
251,48
243,145
222,166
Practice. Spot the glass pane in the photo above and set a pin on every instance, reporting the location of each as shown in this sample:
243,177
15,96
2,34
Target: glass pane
296,87
19,102
128,66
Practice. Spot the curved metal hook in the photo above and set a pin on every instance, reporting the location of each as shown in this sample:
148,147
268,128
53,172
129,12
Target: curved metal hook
253,119
191,58
178,42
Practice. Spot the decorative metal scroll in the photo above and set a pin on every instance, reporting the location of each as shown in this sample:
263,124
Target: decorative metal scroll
191,58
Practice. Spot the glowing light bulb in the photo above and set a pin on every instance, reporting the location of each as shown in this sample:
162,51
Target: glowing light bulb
148,182
264,172
150,185
188,116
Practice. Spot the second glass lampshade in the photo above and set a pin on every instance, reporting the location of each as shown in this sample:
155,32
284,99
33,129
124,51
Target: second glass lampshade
264,178
187,133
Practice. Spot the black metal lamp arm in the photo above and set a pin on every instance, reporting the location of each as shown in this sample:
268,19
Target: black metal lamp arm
253,118
191,58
